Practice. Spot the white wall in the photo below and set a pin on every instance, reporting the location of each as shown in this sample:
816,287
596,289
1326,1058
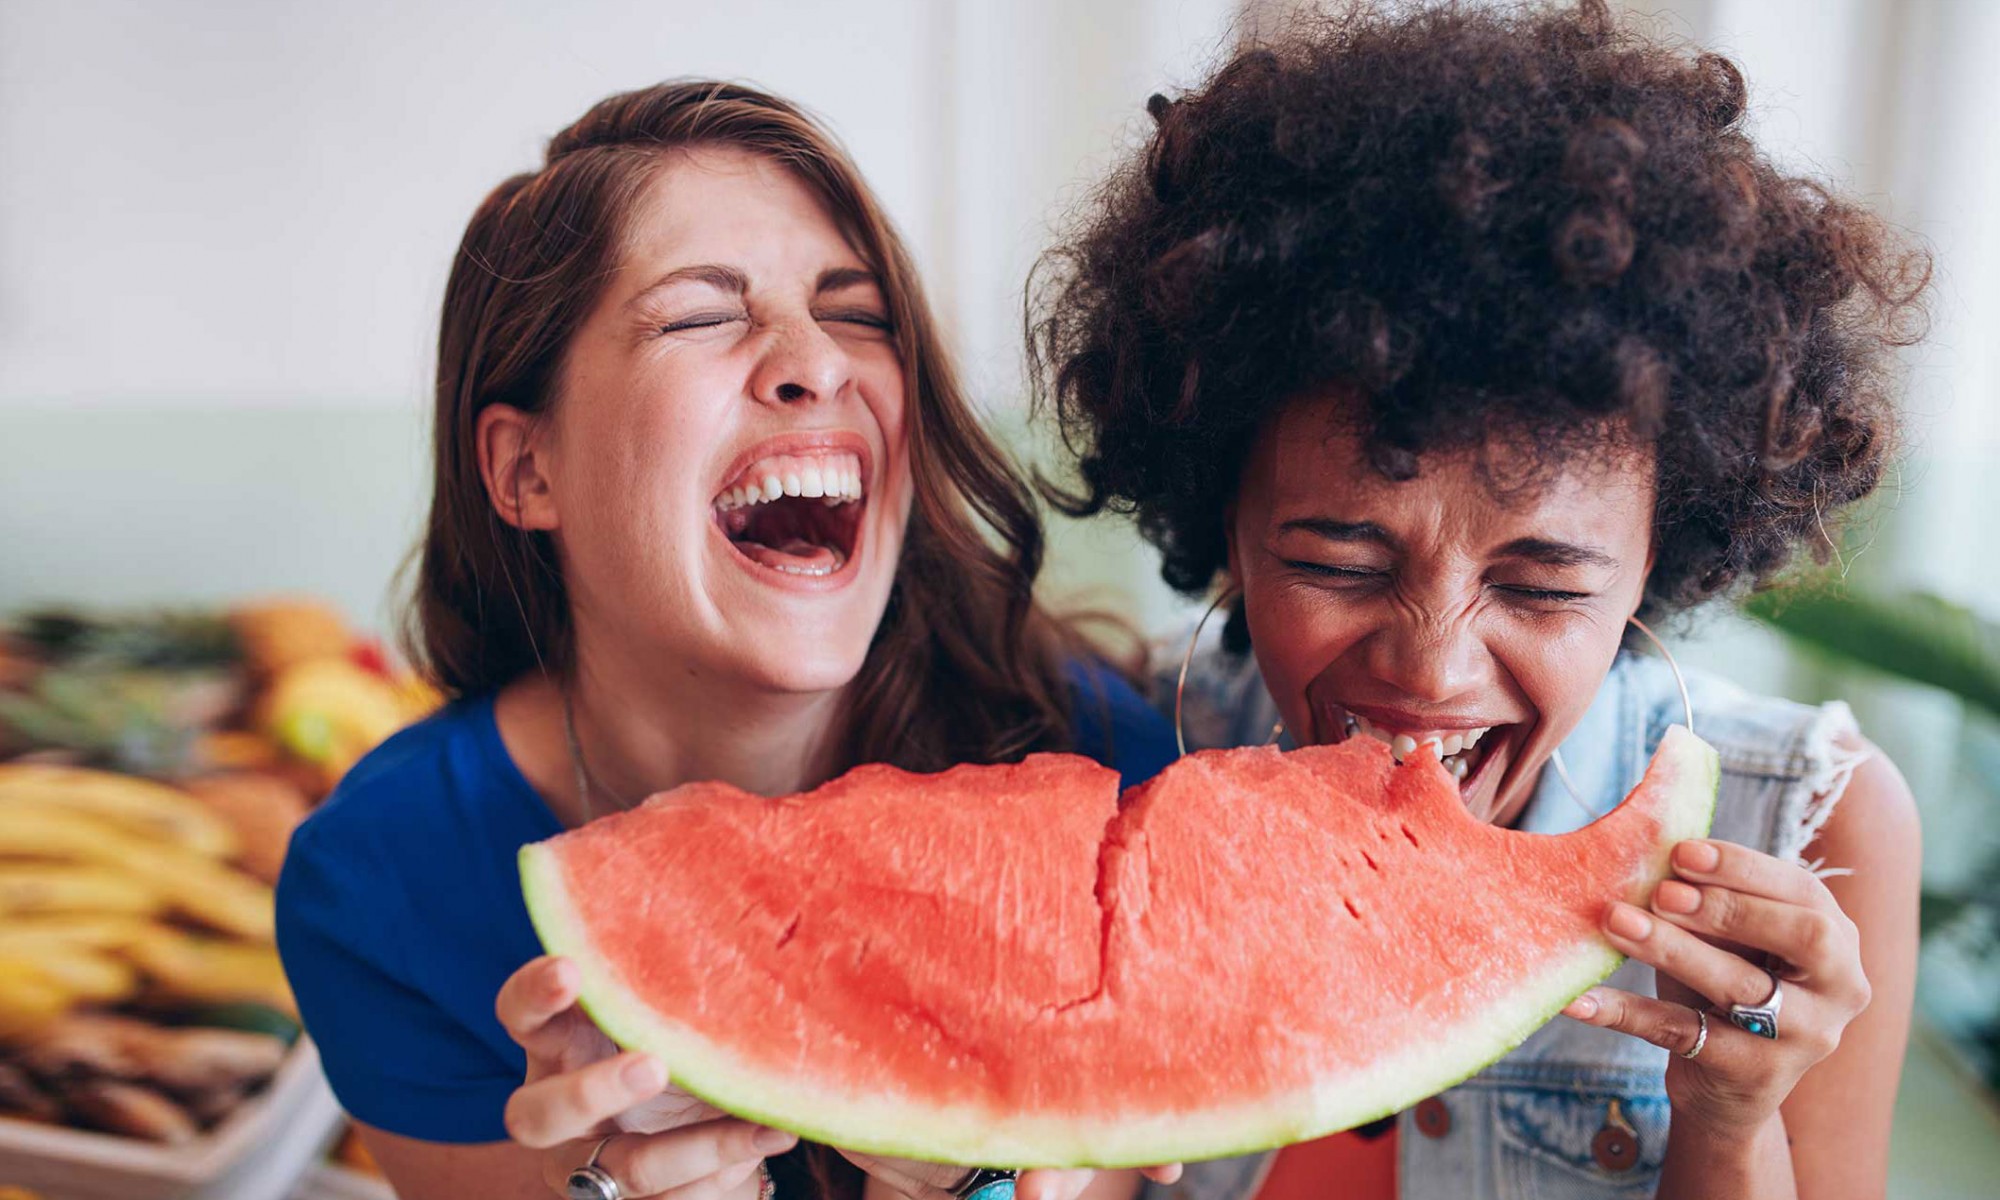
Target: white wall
256,203
225,228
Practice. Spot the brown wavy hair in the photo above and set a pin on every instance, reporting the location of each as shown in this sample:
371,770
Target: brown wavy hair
964,668
1529,222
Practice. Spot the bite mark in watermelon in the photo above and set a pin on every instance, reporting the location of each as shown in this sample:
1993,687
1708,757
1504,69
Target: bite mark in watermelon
1008,966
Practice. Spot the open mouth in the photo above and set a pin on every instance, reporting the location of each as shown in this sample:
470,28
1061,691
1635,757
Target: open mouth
796,514
1465,752
1458,750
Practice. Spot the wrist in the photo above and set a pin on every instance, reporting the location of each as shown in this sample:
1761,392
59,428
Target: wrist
1707,1158
1723,1138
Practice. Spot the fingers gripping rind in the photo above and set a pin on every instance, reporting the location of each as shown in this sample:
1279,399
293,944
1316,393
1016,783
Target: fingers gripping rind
717,1155
577,1103
1672,1027
537,1008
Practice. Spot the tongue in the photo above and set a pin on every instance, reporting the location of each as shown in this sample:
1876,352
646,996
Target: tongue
794,554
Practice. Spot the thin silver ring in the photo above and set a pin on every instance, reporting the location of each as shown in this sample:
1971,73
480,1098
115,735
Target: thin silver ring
592,1182
1700,1037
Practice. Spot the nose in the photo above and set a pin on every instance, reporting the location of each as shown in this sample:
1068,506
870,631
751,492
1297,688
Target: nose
800,363
1431,658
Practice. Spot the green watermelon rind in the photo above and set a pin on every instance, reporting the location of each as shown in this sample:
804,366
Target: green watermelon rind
913,1127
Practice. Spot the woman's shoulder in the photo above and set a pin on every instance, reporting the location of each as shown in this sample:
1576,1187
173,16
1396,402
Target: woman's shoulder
409,781
399,913
1786,764
437,796
1754,733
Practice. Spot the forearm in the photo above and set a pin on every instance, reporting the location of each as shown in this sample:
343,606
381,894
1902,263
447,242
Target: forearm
1703,1164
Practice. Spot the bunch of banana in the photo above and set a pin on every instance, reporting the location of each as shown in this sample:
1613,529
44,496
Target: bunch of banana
139,805
100,877
191,885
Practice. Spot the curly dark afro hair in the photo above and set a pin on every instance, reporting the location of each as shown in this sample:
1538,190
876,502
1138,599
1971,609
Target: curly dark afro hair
1534,222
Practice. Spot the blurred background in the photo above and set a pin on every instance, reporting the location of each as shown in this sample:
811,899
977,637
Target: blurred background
225,228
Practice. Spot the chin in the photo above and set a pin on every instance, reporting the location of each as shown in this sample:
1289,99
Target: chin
811,670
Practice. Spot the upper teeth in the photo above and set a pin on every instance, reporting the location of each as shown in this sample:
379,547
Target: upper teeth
834,477
1402,745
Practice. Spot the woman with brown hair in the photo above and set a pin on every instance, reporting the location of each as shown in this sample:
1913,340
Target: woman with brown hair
1450,345
709,504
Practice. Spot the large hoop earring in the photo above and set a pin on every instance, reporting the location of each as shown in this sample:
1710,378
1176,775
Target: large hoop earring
1687,707
1187,658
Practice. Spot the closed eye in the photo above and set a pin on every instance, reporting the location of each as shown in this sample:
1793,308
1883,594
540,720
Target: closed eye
1547,594
1329,571
709,320
861,317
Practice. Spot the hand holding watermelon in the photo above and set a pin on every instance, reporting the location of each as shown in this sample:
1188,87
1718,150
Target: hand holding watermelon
581,1090
1707,937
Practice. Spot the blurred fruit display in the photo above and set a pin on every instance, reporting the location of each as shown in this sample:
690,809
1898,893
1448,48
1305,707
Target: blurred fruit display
152,769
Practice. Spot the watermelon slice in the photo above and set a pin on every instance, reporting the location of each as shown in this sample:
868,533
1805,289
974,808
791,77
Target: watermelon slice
1007,966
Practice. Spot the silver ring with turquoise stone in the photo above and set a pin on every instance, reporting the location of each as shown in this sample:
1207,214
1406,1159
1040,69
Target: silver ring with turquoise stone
986,1184
1760,1019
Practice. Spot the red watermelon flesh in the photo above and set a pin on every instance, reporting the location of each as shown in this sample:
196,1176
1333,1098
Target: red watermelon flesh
1006,965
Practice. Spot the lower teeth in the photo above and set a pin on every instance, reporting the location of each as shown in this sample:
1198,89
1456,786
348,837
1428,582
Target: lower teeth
839,560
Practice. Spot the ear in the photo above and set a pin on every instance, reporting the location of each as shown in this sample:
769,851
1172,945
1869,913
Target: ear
513,462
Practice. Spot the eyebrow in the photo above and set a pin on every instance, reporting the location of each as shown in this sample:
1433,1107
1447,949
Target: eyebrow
1340,531
1546,551
834,279
736,283
715,275
1552,553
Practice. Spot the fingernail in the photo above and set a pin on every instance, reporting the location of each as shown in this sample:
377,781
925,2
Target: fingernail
1697,856
1628,922
1583,1007
1676,897
645,1074
773,1141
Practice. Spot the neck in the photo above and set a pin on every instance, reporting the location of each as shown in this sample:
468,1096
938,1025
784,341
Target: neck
645,728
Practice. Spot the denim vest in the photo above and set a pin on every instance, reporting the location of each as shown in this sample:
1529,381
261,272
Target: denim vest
1525,1127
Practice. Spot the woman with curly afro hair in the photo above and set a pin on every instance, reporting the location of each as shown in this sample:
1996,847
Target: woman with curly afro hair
1450,347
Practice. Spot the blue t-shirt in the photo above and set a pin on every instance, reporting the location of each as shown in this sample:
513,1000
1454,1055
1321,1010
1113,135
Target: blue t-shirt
400,910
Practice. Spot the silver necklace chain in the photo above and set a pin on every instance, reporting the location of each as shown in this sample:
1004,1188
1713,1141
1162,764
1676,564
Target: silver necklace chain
586,783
